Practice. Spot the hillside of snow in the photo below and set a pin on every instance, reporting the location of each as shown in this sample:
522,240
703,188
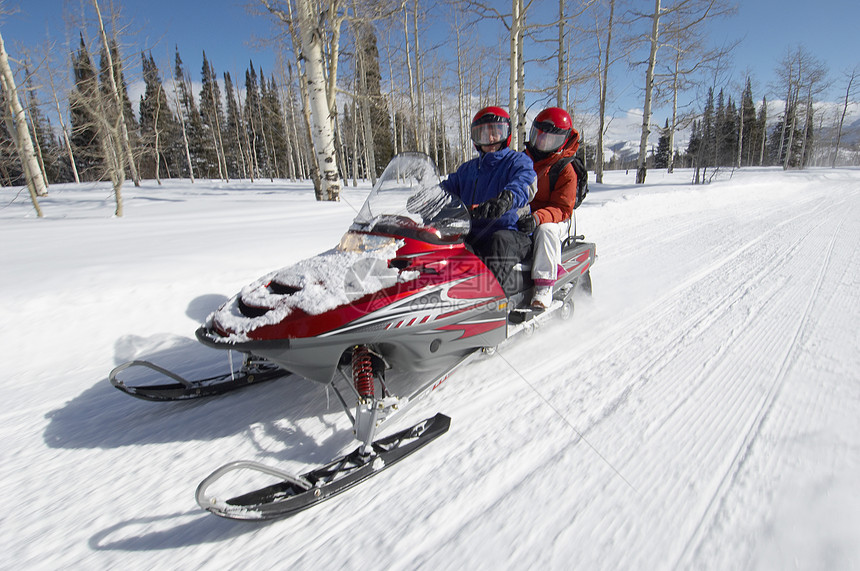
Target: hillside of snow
700,411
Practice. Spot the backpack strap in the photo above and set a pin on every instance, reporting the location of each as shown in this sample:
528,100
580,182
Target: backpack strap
555,171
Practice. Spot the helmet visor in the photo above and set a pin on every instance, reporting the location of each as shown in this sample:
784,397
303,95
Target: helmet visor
547,142
490,133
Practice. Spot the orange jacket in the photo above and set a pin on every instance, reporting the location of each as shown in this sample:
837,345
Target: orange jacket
558,206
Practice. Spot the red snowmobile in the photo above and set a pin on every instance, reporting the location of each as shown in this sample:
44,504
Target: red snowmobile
382,319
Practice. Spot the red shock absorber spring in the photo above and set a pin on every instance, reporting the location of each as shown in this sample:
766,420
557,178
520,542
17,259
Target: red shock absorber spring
362,371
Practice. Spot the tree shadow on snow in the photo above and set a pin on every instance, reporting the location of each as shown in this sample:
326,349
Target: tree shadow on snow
182,529
104,417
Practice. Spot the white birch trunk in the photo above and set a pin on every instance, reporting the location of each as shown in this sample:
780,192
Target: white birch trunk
741,135
123,128
38,147
513,88
184,134
23,143
412,98
463,122
321,131
364,102
763,133
842,118
603,95
649,87
560,82
675,88
65,133
157,135
423,143
521,84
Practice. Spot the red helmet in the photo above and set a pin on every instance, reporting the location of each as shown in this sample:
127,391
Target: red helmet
491,125
551,130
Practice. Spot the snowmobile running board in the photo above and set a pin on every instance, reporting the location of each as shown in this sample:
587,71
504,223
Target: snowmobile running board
183,389
296,493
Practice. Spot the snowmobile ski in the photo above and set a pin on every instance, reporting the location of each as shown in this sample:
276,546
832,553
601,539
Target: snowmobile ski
296,493
253,372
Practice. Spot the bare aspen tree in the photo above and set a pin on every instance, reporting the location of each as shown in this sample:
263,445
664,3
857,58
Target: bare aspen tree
364,102
654,39
787,74
763,126
520,117
413,99
560,78
676,88
113,80
184,132
415,71
462,110
20,131
686,16
390,99
285,98
306,39
419,82
801,73
815,84
791,114
513,88
603,79
851,77
157,131
35,133
63,127
490,93
688,56
322,132
302,144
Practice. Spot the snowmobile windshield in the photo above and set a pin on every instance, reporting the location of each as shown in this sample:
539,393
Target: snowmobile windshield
408,201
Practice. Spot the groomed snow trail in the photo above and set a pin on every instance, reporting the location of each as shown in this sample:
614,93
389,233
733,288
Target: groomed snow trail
699,412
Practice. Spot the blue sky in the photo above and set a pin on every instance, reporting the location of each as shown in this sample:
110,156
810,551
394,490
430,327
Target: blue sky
230,35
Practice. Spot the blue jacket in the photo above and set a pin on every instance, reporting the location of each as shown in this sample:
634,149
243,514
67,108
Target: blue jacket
483,178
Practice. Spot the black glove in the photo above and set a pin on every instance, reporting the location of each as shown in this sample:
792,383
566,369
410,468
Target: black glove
495,207
527,223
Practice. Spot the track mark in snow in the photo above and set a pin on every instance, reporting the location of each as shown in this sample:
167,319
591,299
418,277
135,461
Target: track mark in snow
755,427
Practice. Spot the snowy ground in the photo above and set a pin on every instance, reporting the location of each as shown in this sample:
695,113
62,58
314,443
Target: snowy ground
700,412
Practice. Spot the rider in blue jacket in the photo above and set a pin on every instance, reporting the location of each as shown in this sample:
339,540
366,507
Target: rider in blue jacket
494,185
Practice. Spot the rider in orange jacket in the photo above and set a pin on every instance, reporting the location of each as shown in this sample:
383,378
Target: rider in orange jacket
552,138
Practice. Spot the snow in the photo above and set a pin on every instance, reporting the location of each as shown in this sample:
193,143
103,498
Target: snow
322,282
699,412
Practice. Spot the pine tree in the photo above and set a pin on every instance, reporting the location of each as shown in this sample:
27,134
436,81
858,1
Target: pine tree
251,115
661,157
84,129
11,173
160,136
370,90
749,136
785,145
122,86
762,134
276,135
706,149
694,143
46,147
190,117
212,120
234,131
729,135
808,144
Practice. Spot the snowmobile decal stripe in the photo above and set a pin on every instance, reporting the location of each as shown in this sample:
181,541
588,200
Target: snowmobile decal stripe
473,329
